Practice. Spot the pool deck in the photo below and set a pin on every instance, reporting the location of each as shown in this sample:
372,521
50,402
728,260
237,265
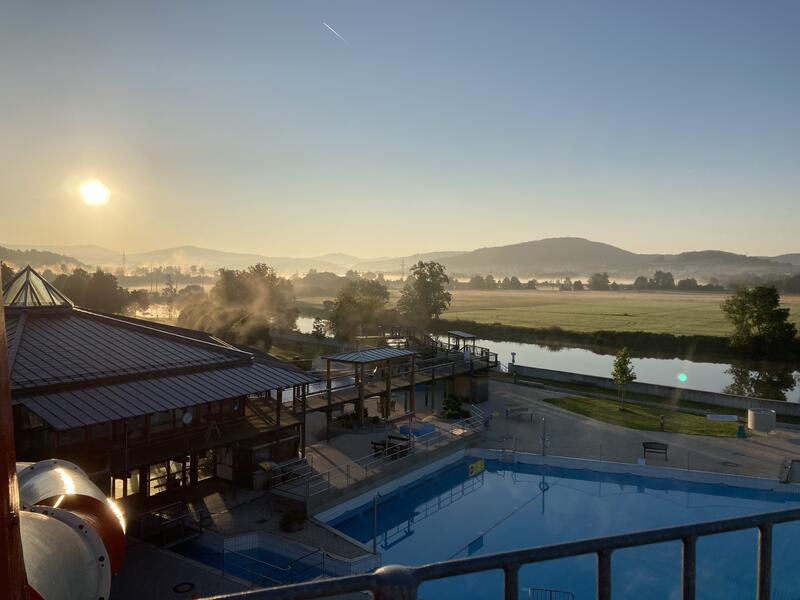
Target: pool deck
577,436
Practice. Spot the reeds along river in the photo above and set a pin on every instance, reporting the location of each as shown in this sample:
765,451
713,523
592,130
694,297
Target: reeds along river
763,380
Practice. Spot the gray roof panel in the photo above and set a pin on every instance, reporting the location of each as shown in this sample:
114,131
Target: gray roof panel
369,355
99,404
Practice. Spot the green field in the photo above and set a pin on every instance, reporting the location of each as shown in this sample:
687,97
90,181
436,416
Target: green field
644,417
657,312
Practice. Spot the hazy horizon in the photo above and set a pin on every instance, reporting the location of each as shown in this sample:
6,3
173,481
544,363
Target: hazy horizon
132,251
410,128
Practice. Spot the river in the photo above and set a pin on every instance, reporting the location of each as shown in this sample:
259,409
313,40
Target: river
776,381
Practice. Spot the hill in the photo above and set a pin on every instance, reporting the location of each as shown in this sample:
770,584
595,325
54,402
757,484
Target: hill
551,255
36,258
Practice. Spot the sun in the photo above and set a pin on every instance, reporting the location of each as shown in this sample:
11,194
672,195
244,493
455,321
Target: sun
94,193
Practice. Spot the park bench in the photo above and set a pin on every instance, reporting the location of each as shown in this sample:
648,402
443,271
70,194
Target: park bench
655,448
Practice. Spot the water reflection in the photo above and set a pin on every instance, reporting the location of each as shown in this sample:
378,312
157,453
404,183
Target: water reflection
771,382
776,381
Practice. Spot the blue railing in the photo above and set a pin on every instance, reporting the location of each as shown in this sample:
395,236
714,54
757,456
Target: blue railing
395,582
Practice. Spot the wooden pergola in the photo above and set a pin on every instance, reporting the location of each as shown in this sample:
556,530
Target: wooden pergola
462,340
377,357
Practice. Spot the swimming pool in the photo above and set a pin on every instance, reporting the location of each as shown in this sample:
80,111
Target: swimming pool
450,514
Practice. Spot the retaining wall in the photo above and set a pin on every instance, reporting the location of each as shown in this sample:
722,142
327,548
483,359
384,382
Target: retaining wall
662,391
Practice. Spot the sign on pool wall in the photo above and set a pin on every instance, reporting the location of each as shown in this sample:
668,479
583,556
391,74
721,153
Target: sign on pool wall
479,466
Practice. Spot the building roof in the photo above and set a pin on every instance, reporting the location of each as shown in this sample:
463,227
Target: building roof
463,335
28,289
80,347
99,404
74,367
369,355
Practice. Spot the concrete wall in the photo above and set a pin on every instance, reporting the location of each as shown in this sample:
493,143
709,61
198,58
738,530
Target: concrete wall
663,391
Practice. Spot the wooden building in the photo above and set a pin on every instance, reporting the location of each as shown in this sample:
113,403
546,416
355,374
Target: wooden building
144,408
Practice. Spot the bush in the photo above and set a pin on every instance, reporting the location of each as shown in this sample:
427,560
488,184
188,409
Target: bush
451,409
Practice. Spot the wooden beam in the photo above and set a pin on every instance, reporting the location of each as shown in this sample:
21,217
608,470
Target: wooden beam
360,406
413,382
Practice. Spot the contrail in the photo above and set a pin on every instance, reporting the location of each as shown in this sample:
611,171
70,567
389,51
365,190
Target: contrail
334,32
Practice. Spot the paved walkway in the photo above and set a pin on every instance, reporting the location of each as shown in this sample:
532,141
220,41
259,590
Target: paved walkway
578,436
152,573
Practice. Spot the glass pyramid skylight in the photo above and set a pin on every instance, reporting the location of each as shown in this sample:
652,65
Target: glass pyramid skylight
28,289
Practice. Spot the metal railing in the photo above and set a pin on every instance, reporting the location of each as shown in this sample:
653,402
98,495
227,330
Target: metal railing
395,582
307,485
543,594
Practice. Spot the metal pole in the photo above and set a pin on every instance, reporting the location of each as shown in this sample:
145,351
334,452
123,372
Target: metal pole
604,575
764,562
511,582
13,580
375,524
689,566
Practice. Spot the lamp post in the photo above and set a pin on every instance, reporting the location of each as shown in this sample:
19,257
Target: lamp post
514,365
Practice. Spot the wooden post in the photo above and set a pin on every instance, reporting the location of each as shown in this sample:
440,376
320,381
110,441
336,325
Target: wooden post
413,382
303,428
360,404
328,413
278,404
388,398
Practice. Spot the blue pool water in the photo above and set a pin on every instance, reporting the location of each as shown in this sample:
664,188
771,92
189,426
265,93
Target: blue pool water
509,506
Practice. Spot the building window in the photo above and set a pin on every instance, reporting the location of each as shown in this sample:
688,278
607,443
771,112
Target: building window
161,421
31,420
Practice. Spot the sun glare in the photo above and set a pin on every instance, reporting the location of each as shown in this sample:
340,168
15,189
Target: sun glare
94,192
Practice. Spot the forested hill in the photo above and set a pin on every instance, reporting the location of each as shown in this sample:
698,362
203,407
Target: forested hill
35,258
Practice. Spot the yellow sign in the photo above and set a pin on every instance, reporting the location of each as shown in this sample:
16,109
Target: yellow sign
479,466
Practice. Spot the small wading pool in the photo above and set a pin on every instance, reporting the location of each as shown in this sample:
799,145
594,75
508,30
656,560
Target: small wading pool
451,514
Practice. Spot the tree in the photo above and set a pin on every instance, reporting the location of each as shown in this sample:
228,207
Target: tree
170,292
360,303
477,282
6,274
688,284
759,322
577,285
318,329
491,284
623,374
598,281
98,291
641,283
425,298
663,280
531,285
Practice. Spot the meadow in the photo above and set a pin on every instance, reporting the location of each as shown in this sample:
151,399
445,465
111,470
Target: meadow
656,312
677,313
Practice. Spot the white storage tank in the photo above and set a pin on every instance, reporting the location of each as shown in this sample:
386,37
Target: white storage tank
761,419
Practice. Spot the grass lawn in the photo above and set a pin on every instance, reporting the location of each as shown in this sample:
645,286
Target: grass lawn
643,417
657,312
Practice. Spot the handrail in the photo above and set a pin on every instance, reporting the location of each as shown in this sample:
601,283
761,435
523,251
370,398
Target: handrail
395,582
321,482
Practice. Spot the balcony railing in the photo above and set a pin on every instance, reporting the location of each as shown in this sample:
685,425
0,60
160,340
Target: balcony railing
395,582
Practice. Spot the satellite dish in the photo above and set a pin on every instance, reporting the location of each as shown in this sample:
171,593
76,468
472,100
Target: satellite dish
186,418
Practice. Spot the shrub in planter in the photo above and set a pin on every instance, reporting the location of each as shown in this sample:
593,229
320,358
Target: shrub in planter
451,409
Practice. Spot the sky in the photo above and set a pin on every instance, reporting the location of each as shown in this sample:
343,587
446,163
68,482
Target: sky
250,126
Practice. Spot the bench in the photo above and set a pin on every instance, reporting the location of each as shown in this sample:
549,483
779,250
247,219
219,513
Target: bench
655,448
